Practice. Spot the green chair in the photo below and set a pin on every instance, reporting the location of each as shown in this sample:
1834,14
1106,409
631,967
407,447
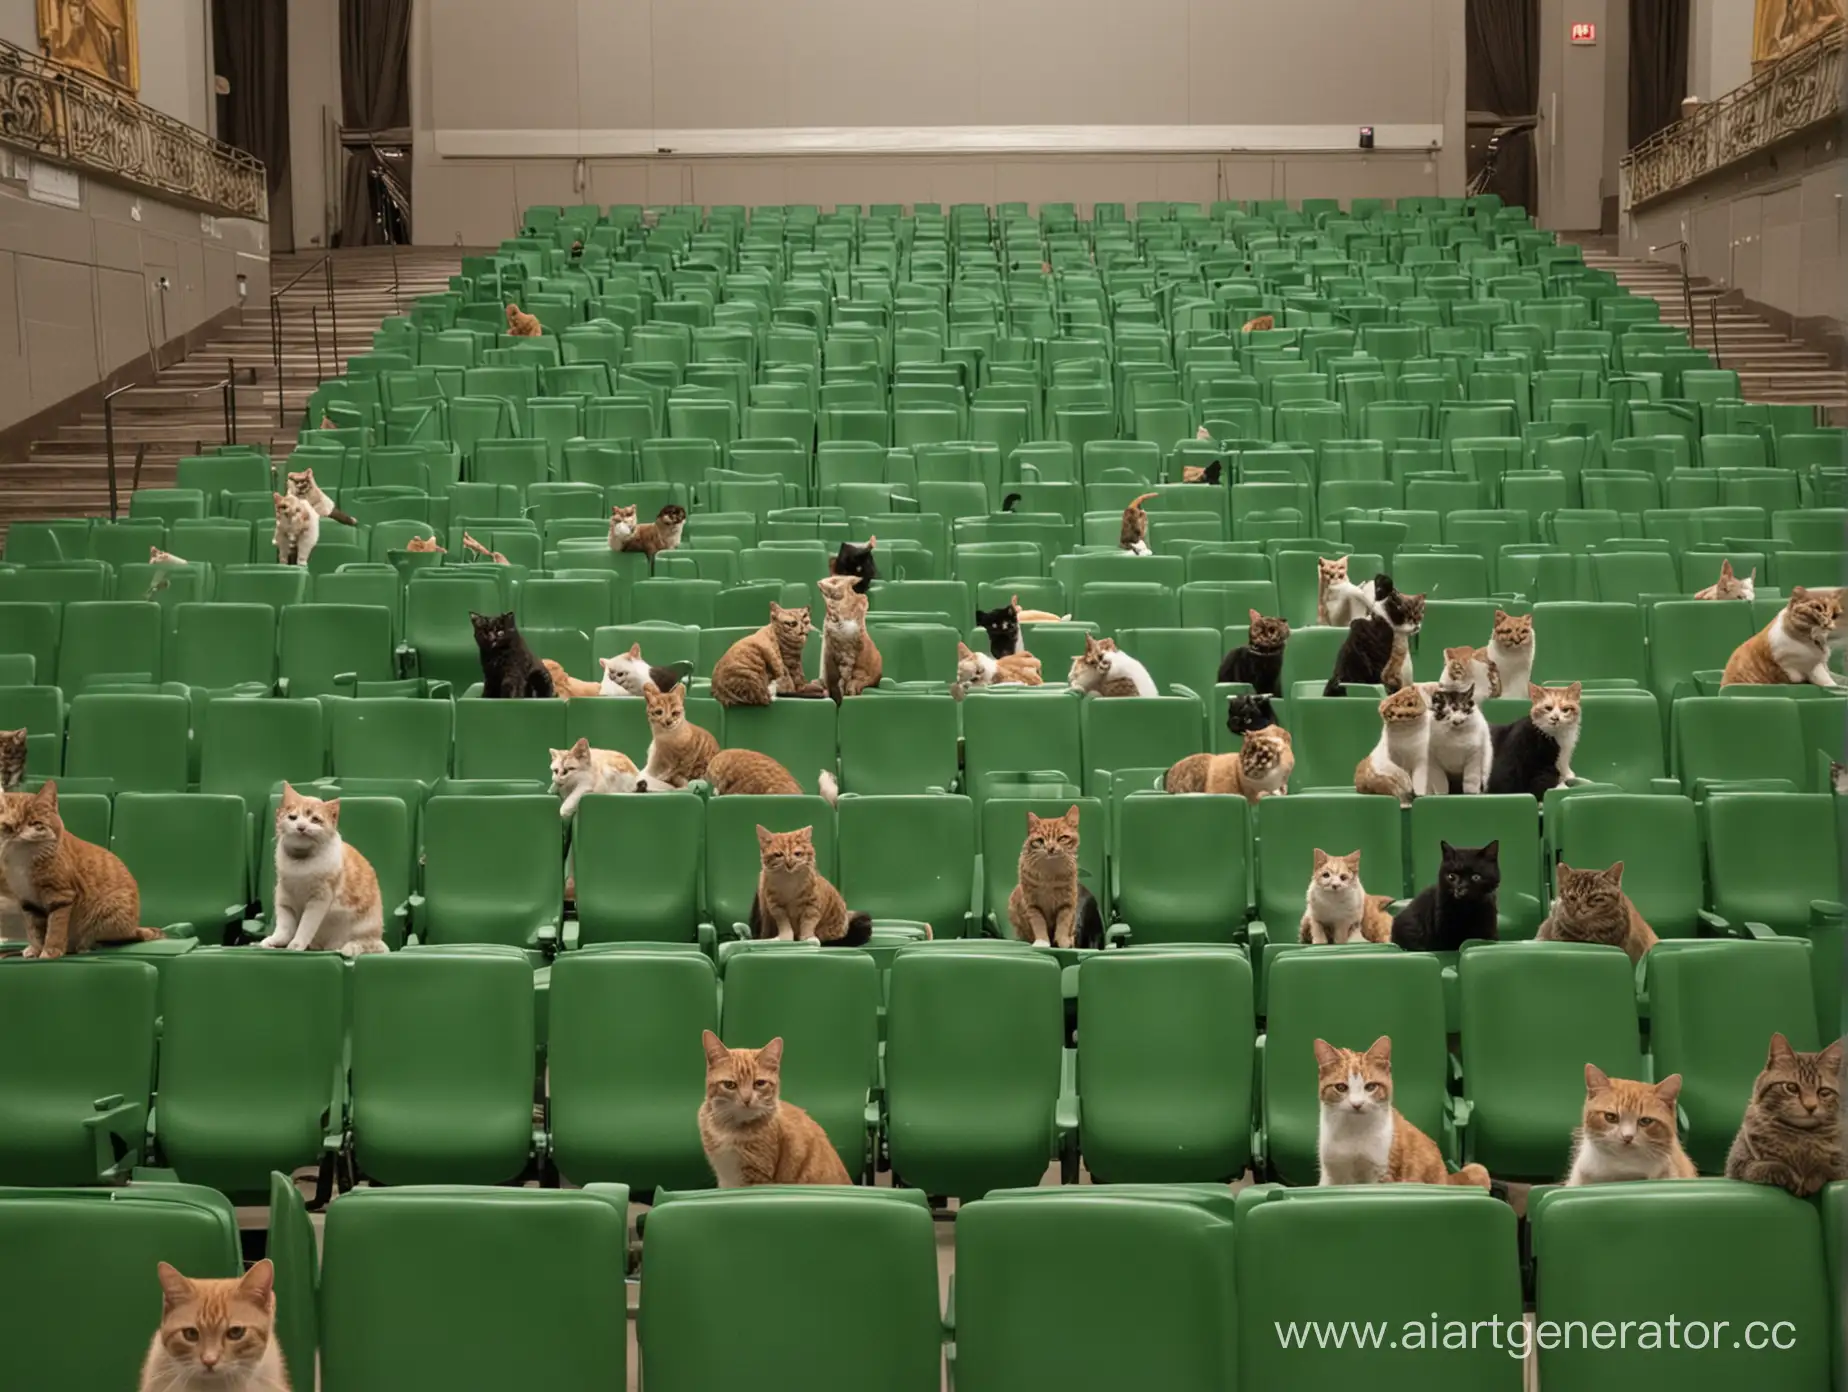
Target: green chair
493,870
1713,1009
441,1053
1658,840
1748,745
1620,741
637,864
1164,1065
1331,736
258,1035
138,742
389,737
898,743
437,629
972,1069
874,1249
1588,642
79,1115
910,858
1028,729
1689,636
798,734
1182,871
326,647
189,854
214,646
1142,732
507,739
1746,1256
1533,1015
404,1271
116,639
32,629
1633,577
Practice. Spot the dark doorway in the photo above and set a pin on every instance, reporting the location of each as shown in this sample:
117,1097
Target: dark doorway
1502,55
250,41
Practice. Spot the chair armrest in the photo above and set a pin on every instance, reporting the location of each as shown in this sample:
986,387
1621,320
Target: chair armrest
115,1118
568,935
188,930
1257,1107
1117,935
1665,787
1826,913
707,938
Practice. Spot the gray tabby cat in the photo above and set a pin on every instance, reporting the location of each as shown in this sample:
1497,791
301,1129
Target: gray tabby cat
12,759
1792,1133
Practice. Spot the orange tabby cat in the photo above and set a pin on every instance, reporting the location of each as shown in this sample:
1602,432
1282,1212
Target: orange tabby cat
1628,1132
216,1334
1730,586
566,685
751,1136
979,669
1134,536
1046,906
681,751
1364,1139
1593,908
1261,769
521,325
1794,647
1035,615
757,668
1337,908
794,900
733,771
74,895
850,660
1263,323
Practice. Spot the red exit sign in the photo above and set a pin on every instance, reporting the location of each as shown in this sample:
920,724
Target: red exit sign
1584,33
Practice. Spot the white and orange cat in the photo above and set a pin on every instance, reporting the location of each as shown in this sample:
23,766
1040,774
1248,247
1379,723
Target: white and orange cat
1339,601
327,896
1398,765
1364,1139
1105,670
1793,648
979,669
1628,1132
298,530
1730,586
580,771
1337,909
217,1335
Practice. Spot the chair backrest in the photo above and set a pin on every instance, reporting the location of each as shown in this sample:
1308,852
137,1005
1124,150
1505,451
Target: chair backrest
493,869
1164,890
189,854
909,857
637,866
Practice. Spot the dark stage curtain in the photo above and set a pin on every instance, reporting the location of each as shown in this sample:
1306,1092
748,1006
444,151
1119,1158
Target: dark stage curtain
375,37
1658,65
1503,57
251,47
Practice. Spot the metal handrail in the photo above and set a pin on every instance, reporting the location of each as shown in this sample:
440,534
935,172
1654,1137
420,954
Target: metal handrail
325,264
225,386
1687,300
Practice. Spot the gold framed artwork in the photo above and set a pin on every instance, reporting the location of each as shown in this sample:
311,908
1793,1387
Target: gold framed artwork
1783,26
98,37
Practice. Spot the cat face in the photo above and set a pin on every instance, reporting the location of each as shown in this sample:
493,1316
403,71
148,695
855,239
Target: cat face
1730,586
1052,836
495,631
856,562
1591,894
1003,625
303,823
215,1329
301,485
1513,632
1405,612
1627,1119
1334,874
1267,635
742,1084
1406,706
787,850
627,670
671,516
568,763
1247,713
792,625
622,522
1351,1082
972,668
31,819
1470,872
1555,709
290,511
1331,572
1457,664
666,709
1452,709
1801,1091
1813,615
1091,666
12,746
847,608
1264,750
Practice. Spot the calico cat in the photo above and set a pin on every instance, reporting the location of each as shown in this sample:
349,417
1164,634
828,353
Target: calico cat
1460,746
680,751
979,669
1259,770
1792,1133
522,325
1794,647
1535,754
1459,907
327,896
1592,908
1471,670
1003,628
1108,672
509,669
1203,473
758,668
627,673
1259,664
156,556
856,560
12,759
1338,601
424,546
1247,713
794,902
1838,776
651,538
1730,586
303,486
850,661
475,548
1048,906
216,1335
74,895
1509,652
566,686
1397,767
1628,1132
580,771
1363,1138
744,771
1337,908
298,530
1134,537
750,1135
1377,647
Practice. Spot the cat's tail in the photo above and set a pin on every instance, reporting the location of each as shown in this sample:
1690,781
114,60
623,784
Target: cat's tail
141,935
1007,503
859,932
830,789
1334,688
336,515
1140,501
1468,1175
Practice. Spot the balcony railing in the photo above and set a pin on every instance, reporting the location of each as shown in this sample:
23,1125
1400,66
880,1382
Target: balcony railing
58,115
1786,98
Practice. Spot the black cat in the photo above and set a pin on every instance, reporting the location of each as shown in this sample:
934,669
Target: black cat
1259,664
1003,627
1007,503
1367,652
1247,713
1459,907
1528,751
1088,922
856,560
508,668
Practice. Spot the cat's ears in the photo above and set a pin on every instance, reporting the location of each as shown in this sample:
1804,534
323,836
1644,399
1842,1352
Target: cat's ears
1669,1088
1492,850
1614,875
47,796
771,1055
1726,570
635,650
1254,615
1380,1051
1596,1079
259,1283
581,747
962,651
1781,1052
1318,860
764,837
1501,616
716,1051
1326,1054
173,1286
